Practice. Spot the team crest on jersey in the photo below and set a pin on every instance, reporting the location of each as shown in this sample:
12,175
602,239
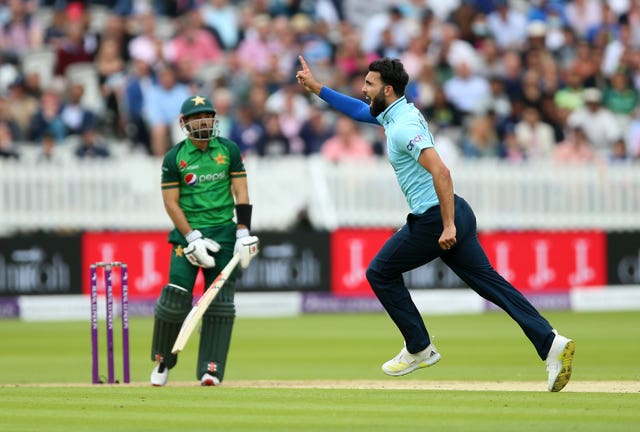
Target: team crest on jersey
220,159
191,179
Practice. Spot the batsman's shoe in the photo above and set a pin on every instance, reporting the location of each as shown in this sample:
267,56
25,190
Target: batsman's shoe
405,362
559,362
209,380
159,375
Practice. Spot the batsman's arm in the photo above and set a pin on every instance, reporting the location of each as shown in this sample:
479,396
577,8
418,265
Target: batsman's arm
240,190
171,200
246,245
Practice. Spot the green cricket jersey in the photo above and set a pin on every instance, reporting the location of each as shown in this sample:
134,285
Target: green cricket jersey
204,179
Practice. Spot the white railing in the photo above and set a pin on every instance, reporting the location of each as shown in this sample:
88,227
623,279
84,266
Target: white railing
504,196
125,194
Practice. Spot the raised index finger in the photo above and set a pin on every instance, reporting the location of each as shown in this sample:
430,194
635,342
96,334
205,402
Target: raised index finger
305,68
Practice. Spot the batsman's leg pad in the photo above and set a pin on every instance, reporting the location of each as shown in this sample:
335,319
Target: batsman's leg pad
171,309
215,339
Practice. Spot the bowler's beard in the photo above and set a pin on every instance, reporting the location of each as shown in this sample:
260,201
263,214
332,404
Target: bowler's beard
378,104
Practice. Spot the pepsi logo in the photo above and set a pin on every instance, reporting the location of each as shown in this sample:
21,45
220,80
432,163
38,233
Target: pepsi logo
191,179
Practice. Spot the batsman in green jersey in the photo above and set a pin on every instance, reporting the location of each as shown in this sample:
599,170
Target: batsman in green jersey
204,185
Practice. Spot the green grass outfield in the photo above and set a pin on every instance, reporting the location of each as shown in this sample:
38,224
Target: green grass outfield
322,373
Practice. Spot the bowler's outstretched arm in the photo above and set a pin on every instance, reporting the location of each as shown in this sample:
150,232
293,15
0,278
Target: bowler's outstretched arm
347,105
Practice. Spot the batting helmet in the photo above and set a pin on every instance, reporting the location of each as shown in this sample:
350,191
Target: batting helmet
195,105
198,128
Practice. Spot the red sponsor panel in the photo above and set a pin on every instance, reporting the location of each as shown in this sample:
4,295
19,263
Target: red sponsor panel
544,261
146,253
351,252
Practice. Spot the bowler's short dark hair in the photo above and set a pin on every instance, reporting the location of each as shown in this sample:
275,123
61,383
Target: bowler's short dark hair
391,73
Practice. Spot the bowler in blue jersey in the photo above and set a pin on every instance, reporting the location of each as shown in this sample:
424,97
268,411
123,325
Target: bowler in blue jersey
441,224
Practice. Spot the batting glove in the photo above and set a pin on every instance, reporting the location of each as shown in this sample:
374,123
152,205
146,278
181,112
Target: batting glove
199,249
246,246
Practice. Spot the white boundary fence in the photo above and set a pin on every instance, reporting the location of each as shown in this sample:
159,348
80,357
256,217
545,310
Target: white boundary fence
124,194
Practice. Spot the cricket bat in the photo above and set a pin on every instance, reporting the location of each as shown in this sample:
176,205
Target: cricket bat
191,321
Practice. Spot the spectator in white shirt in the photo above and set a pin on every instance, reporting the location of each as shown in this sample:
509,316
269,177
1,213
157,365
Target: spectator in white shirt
598,122
146,46
468,92
534,136
583,15
508,25
391,19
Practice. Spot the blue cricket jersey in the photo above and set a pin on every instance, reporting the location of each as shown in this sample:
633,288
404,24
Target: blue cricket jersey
407,134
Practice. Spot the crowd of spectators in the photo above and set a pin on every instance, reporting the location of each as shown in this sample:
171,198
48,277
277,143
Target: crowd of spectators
516,80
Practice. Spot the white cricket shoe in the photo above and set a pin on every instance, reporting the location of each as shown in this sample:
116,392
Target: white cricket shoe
209,380
405,362
159,375
559,362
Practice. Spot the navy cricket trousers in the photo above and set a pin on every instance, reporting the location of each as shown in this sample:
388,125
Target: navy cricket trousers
416,244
